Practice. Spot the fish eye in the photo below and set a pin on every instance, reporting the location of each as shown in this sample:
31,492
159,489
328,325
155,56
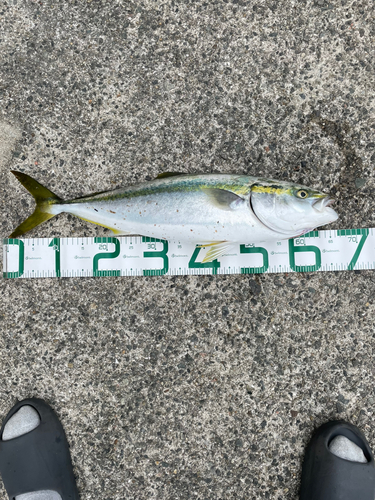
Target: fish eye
302,193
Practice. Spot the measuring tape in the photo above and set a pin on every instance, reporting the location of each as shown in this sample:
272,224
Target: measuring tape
345,249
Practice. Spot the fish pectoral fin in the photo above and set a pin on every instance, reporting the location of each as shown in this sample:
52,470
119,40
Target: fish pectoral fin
169,174
215,250
223,199
118,232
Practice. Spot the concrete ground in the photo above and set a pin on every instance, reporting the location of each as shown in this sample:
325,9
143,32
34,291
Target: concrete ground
189,387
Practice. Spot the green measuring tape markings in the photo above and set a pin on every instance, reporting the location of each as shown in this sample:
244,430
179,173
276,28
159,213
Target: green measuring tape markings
345,249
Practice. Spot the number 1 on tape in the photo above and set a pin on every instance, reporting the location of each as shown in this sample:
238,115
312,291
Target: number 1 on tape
339,250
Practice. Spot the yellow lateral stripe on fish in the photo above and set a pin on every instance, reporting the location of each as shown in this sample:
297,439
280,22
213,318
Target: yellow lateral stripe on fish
240,190
271,190
279,190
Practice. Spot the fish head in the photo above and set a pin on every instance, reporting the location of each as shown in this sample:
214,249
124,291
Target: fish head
290,209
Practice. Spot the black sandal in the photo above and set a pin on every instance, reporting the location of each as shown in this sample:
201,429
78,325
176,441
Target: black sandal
328,477
40,459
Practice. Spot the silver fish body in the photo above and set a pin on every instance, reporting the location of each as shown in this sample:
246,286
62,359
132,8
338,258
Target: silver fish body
202,209
195,208
173,209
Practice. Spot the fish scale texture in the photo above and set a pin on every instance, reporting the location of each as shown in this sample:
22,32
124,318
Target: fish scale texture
188,387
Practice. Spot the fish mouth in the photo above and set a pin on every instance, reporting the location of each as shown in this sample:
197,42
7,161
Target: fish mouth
321,204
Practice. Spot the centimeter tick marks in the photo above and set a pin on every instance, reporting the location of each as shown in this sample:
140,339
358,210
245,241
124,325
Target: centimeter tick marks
339,250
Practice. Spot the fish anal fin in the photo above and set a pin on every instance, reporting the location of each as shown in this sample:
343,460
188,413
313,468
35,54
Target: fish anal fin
169,174
114,230
118,232
215,250
224,199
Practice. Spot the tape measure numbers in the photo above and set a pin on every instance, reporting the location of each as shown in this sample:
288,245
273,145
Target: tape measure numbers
345,249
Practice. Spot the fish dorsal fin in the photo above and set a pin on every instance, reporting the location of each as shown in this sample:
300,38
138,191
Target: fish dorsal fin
168,174
223,199
215,250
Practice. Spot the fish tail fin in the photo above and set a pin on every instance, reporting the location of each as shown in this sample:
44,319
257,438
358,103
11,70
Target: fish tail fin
44,199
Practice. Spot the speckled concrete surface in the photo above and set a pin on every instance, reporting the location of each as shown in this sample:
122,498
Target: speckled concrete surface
189,387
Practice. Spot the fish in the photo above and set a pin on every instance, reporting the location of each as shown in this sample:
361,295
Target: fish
211,210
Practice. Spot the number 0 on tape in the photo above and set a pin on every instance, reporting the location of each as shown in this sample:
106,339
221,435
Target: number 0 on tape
345,249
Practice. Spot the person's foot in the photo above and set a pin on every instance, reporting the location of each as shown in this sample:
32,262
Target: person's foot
338,465
35,461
